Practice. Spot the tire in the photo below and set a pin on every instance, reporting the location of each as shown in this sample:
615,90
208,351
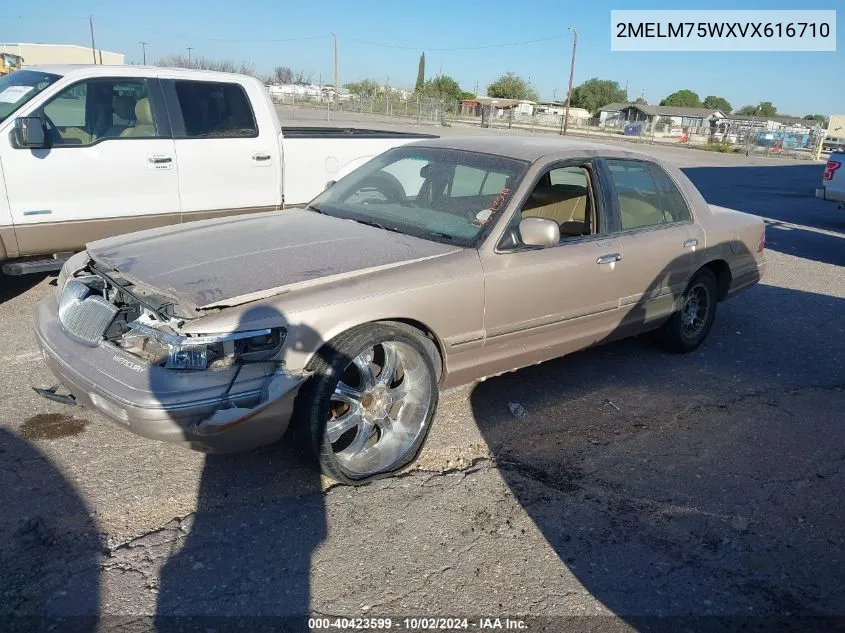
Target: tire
361,423
689,325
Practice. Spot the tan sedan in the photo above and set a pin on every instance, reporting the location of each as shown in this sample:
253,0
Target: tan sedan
433,265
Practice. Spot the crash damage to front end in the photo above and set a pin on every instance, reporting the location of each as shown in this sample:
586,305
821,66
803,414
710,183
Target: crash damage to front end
121,348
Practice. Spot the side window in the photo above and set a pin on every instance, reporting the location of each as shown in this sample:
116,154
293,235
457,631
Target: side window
215,110
672,202
564,196
637,193
98,109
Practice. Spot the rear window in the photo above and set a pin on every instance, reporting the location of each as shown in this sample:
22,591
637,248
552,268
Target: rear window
215,110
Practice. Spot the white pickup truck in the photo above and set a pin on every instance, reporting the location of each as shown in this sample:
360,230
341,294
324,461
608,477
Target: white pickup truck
833,180
88,152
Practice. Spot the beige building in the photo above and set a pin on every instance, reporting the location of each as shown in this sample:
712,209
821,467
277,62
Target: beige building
34,54
836,127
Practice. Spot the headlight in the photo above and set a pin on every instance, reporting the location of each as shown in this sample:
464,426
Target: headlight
205,351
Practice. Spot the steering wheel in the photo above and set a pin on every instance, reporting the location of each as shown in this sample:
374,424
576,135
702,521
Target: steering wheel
384,184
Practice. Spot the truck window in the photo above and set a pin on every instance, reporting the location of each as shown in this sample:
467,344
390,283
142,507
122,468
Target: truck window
99,109
215,110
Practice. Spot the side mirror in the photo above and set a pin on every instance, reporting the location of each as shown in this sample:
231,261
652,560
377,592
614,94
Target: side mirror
30,133
539,232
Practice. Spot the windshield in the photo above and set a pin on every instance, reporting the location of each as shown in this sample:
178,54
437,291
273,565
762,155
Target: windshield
20,86
444,195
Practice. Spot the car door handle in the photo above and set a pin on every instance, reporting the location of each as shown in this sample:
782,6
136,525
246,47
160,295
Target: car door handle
160,160
260,158
691,243
609,259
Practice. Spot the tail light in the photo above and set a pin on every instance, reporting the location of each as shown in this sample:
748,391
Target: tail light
832,166
761,244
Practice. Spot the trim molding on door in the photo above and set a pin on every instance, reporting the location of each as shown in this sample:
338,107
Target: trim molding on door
553,319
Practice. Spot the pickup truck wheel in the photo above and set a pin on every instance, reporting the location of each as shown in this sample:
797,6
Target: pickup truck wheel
370,402
691,322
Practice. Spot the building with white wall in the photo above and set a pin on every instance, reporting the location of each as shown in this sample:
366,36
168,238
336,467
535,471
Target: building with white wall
36,54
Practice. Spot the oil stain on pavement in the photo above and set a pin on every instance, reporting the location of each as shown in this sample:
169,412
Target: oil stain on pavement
51,426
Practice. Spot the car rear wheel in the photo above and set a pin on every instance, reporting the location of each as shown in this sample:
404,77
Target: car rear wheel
691,322
370,402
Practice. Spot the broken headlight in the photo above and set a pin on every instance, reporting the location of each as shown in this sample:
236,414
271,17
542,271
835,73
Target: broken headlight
205,351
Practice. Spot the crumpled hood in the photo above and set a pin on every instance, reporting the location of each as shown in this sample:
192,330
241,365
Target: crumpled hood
228,261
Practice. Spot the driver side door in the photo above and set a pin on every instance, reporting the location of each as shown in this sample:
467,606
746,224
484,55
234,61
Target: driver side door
544,302
110,167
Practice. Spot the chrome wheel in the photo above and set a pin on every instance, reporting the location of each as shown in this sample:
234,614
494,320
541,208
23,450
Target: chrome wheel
379,408
695,311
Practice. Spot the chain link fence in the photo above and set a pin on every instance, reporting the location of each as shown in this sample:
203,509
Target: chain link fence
747,137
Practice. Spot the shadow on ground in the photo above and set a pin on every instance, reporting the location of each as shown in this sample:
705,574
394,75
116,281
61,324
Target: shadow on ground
50,549
670,498
244,556
803,225
13,285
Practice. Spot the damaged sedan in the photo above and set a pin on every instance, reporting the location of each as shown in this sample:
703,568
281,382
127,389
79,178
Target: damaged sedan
434,264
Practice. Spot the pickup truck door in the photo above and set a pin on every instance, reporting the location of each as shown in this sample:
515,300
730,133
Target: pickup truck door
110,167
227,147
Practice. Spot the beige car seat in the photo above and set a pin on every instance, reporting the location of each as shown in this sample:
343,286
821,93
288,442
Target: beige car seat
565,204
637,213
144,125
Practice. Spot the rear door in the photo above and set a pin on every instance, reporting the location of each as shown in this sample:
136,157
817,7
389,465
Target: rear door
228,152
110,167
658,239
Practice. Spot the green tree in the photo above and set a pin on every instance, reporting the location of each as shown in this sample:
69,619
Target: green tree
640,101
596,93
816,117
763,109
421,73
512,86
441,87
718,103
465,96
682,99
364,87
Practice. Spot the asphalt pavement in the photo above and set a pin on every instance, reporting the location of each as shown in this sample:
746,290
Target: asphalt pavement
641,491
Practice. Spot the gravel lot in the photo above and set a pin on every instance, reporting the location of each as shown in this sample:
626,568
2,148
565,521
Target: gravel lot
642,490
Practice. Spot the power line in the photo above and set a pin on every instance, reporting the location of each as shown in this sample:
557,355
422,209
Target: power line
458,48
243,39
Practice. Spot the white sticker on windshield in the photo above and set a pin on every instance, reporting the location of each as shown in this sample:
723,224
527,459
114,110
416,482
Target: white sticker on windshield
13,94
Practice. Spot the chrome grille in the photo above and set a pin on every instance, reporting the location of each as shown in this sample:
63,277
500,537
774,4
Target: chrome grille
84,317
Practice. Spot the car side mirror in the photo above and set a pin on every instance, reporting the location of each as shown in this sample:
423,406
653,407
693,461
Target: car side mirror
539,232
30,133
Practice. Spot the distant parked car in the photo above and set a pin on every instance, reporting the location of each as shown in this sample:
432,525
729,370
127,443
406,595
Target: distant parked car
433,265
833,180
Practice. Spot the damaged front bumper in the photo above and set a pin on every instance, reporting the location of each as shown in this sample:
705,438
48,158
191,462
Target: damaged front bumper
189,407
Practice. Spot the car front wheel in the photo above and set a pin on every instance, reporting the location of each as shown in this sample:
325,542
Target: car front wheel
370,402
689,325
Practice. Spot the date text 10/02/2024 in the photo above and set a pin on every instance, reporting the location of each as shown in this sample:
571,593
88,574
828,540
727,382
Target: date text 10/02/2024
420,624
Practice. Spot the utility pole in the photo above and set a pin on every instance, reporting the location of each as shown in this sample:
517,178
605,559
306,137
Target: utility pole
143,52
190,48
93,46
571,75
626,91
336,75
554,94
476,88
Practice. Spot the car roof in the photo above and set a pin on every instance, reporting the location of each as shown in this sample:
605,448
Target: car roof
135,71
528,148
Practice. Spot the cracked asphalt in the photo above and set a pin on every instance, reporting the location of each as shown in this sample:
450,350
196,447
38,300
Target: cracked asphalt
641,489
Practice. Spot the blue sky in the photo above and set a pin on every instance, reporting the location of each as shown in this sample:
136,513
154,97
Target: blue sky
254,30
